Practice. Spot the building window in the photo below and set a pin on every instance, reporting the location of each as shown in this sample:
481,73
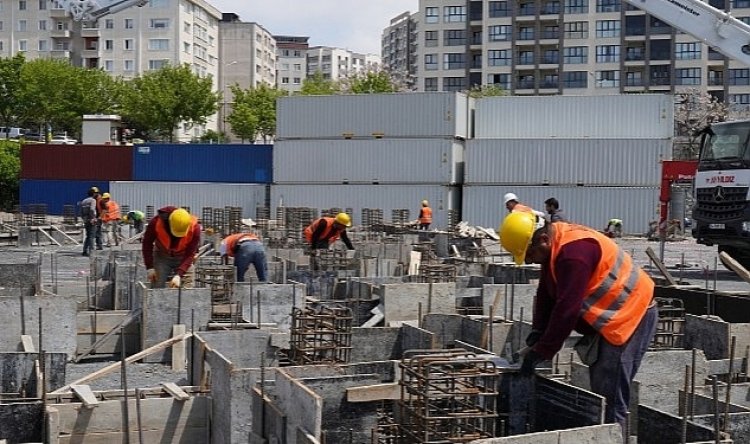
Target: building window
607,5
430,39
43,5
607,28
158,44
660,75
109,45
525,81
432,15
158,23
109,65
42,25
21,26
186,47
128,45
23,45
499,9
499,33
297,80
454,60
687,76
42,46
500,80
739,76
153,65
634,78
498,57
2,46
576,30
454,83
454,14
739,99
285,80
526,58
576,55
128,23
576,6
740,3
1,25
607,53
21,5
61,26
608,79
454,37
575,79
430,84
298,67
430,62
687,51
526,33
109,24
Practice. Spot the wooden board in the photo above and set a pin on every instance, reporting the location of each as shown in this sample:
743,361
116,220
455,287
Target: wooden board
376,392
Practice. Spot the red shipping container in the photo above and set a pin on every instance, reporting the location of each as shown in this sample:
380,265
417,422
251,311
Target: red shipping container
76,162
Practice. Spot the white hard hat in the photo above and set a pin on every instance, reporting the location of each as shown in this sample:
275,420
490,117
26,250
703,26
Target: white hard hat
248,222
508,197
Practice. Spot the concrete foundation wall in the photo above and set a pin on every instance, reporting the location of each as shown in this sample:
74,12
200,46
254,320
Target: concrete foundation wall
415,338
658,427
243,348
661,376
303,407
401,301
559,406
21,422
21,316
599,434
18,372
20,279
375,344
93,325
276,302
512,299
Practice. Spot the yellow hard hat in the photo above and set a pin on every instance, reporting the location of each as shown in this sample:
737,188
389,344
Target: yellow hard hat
94,189
515,234
425,203
179,222
124,218
344,219
106,196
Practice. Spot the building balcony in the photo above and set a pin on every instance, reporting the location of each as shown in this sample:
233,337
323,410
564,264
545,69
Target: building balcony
58,13
715,81
525,86
633,82
60,34
60,54
549,85
90,33
90,53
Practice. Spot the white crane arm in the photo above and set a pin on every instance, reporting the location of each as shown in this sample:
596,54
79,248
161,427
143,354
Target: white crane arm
92,10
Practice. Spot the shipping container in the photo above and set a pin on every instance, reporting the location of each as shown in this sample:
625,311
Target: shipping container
611,162
195,195
386,197
421,115
429,161
57,193
203,163
592,206
626,116
76,162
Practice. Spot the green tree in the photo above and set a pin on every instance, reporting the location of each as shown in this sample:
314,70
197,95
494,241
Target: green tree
317,85
10,169
47,94
243,121
371,82
694,110
261,103
157,102
478,91
211,136
10,86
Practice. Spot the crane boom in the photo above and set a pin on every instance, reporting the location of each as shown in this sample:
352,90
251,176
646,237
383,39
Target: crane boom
714,27
92,10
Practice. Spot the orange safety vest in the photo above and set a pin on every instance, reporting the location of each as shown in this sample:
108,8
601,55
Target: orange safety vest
426,216
618,292
99,209
164,238
329,234
231,241
112,212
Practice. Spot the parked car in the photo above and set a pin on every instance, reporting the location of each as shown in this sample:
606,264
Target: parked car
62,139
11,133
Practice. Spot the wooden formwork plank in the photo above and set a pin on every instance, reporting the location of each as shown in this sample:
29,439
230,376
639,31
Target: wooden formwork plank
85,394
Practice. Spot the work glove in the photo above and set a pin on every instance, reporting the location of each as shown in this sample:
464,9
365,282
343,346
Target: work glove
175,282
533,337
530,361
151,275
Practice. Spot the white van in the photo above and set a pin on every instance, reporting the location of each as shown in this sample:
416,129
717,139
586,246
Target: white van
11,133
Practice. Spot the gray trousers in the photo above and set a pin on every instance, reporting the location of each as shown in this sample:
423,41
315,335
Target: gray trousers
165,267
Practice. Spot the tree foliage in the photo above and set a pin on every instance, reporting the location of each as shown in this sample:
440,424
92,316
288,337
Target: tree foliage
10,169
156,102
254,112
317,85
10,87
694,110
478,91
370,82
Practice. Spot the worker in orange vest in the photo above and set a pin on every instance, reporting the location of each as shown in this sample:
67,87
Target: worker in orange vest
246,248
169,245
324,231
110,219
588,283
425,216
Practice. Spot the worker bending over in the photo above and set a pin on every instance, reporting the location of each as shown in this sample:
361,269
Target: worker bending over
246,248
324,231
513,205
169,245
588,283
425,216
614,228
134,217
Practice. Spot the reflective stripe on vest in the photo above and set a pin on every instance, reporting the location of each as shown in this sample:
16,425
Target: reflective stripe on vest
618,292
164,239
232,240
329,234
426,216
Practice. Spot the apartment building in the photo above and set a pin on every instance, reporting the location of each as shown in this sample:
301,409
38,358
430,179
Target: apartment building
399,48
337,63
291,62
576,47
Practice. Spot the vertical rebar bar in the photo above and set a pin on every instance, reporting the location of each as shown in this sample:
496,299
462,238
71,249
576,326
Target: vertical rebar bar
684,405
124,385
728,397
717,426
138,415
258,301
692,383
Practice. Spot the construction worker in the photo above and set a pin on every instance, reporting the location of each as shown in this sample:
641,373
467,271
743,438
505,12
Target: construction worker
425,216
588,283
246,248
88,214
134,217
99,211
324,231
169,245
613,228
552,206
110,219
512,204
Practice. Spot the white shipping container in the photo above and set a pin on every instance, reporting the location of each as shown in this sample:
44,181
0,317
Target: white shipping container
592,206
386,197
440,114
628,116
368,161
196,195
611,162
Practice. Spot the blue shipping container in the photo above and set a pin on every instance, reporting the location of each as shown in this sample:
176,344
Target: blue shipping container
56,193
203,163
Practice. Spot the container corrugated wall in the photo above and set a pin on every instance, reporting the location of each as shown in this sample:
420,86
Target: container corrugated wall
440,114
203,163
386,197
630,116
57,193
592,206
190,194
627,162
76,162
369,161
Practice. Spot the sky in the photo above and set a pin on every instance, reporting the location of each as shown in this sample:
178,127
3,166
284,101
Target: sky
356,25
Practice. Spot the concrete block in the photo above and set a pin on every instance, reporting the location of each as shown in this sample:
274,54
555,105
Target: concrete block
20,279
600,434
21,422
276,302
559,405
511,300
303,406
18,372
738,426
660,377
401,301
528,438
375,344
657,427
92,327
21,316
707,333
415,338
243,348
445,327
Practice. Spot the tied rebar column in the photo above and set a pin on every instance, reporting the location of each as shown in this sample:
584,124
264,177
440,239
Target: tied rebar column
670,327
207,218
437,273
219,279
150,212
321,334
69,214
219,222
235,219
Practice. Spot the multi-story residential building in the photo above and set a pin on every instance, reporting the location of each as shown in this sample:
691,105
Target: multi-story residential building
583,47
291,62
337,63
127,43
399,48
